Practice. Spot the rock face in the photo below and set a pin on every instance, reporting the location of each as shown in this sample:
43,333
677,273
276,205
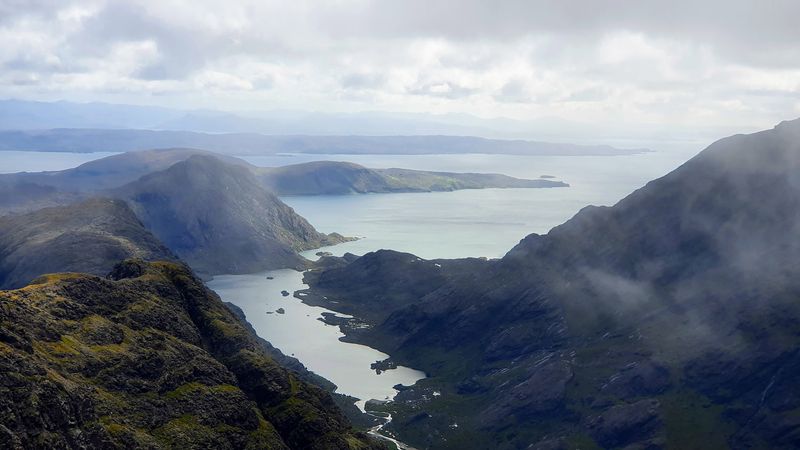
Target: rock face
148,358
675,311
217,218
90,237
66,139
622,424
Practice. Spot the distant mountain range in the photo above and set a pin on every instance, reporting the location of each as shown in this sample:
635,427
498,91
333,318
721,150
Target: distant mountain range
669,320
29,190
336,178
240,144
92,127
33,115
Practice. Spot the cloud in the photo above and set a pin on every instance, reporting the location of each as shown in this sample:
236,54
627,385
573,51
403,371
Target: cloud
361,80
713,62
514,90
444,89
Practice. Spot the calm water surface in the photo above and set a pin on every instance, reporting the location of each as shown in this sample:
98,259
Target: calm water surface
486,222
298,333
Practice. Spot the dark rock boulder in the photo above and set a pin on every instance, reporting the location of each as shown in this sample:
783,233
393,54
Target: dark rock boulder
638,379
541,392
89,237
626,424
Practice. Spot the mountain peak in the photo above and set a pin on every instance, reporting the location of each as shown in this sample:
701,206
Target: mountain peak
218,218
679,303
150,358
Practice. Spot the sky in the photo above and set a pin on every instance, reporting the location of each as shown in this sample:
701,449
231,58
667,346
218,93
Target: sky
631,63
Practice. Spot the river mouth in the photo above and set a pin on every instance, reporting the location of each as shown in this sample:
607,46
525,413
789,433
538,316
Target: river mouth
293,327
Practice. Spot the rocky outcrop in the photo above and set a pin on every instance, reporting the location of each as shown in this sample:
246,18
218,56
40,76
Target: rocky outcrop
624,424
148,358
90,237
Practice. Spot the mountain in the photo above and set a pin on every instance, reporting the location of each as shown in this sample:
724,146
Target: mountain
27,191
32,115
208,209
335,178
218,219
666,321
213,211
418,180
149,358
91,237
20,196
322,178
112,171
239,144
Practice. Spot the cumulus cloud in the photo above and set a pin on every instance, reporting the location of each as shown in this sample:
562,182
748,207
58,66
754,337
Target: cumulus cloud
713,62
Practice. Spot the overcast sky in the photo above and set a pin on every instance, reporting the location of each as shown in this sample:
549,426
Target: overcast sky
720,62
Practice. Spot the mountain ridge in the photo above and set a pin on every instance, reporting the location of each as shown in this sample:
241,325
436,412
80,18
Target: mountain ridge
27,191
219,219
149,358
91,237
338,178
95,140
616,327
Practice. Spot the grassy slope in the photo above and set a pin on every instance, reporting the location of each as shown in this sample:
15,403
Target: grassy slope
149,359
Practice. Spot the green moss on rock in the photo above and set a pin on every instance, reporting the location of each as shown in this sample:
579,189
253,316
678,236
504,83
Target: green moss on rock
149,358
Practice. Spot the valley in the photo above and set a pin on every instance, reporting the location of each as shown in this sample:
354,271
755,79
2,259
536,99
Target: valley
462,349
416,225
347,365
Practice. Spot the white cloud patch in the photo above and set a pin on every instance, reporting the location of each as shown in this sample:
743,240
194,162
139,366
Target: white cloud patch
715,63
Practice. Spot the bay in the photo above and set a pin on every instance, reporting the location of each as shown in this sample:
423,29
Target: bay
484,222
